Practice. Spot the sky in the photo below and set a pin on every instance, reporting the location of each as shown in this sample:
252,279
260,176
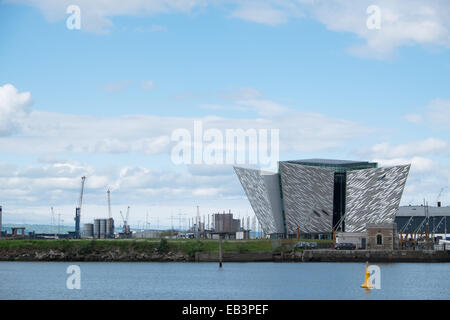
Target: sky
104,100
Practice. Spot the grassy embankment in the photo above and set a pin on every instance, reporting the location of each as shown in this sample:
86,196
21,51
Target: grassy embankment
185,246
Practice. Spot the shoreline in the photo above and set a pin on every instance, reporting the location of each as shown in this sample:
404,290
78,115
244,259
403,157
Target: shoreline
361,256
162,250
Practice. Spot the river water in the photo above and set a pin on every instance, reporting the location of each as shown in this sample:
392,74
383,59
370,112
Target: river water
122,280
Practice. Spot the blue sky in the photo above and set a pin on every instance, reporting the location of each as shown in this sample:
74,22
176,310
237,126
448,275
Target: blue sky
138,72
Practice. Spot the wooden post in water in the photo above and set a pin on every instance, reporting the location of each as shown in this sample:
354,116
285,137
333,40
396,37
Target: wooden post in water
220,250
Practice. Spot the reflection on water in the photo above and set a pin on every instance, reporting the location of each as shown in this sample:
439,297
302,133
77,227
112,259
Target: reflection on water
119,280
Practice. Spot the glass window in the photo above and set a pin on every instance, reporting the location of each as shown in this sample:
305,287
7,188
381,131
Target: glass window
379,239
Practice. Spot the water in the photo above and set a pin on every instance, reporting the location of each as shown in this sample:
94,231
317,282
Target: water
120,280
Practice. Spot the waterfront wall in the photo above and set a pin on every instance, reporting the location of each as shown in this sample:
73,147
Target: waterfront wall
331,256
235,257
150,253
373,256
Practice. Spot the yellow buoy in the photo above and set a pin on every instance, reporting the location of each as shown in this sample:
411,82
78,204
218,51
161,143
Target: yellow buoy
367,284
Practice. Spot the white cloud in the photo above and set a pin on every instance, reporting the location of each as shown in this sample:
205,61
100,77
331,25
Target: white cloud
206,192
31,190
430,169
155,145
426,178
53,181
96,15
58,183
210,170
14,108
413,118
403,23
265,108
147,85
412,22
436,114
53,133
249,100
430,146
264,12
418,164
439,112
116,87
28,192
107,145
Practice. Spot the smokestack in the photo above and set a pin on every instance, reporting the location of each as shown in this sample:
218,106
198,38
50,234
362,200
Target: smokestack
439,204
1,221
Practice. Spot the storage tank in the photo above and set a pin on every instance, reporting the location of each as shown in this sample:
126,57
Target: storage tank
110,228
97,228
88,230
103,228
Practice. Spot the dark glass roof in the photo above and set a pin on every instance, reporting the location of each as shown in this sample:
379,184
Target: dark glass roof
338,165
330,162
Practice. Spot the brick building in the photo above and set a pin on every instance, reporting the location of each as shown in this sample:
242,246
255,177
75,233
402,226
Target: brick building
382,236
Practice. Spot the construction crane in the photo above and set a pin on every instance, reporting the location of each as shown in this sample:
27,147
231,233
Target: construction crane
109,204
78,210
128,217
126,226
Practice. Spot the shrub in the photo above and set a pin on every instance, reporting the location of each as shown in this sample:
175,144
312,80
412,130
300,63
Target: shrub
163,245
194,247
241,248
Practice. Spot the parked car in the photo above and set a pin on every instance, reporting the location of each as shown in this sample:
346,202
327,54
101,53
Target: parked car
305,245
345,246
301,245
312,245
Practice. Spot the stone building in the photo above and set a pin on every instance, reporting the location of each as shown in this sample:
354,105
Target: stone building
382,236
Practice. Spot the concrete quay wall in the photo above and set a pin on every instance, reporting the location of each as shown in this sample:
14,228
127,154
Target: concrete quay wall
331,256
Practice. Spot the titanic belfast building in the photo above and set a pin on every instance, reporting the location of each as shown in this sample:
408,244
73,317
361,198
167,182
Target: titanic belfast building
317,196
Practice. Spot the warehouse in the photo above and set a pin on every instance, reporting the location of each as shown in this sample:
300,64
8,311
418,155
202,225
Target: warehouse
414,219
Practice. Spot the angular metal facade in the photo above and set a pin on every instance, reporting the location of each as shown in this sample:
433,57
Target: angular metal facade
307,198
263,192
373,196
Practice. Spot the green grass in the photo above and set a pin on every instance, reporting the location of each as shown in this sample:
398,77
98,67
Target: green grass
186,246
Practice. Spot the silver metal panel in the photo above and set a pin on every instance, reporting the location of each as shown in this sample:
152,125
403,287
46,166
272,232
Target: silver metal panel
373,196
263,192
102,228
308,198
110,227
97,228
88,230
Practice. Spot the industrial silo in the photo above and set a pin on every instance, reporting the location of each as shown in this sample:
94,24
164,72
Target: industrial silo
88,230
97,228
103,223
110,228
